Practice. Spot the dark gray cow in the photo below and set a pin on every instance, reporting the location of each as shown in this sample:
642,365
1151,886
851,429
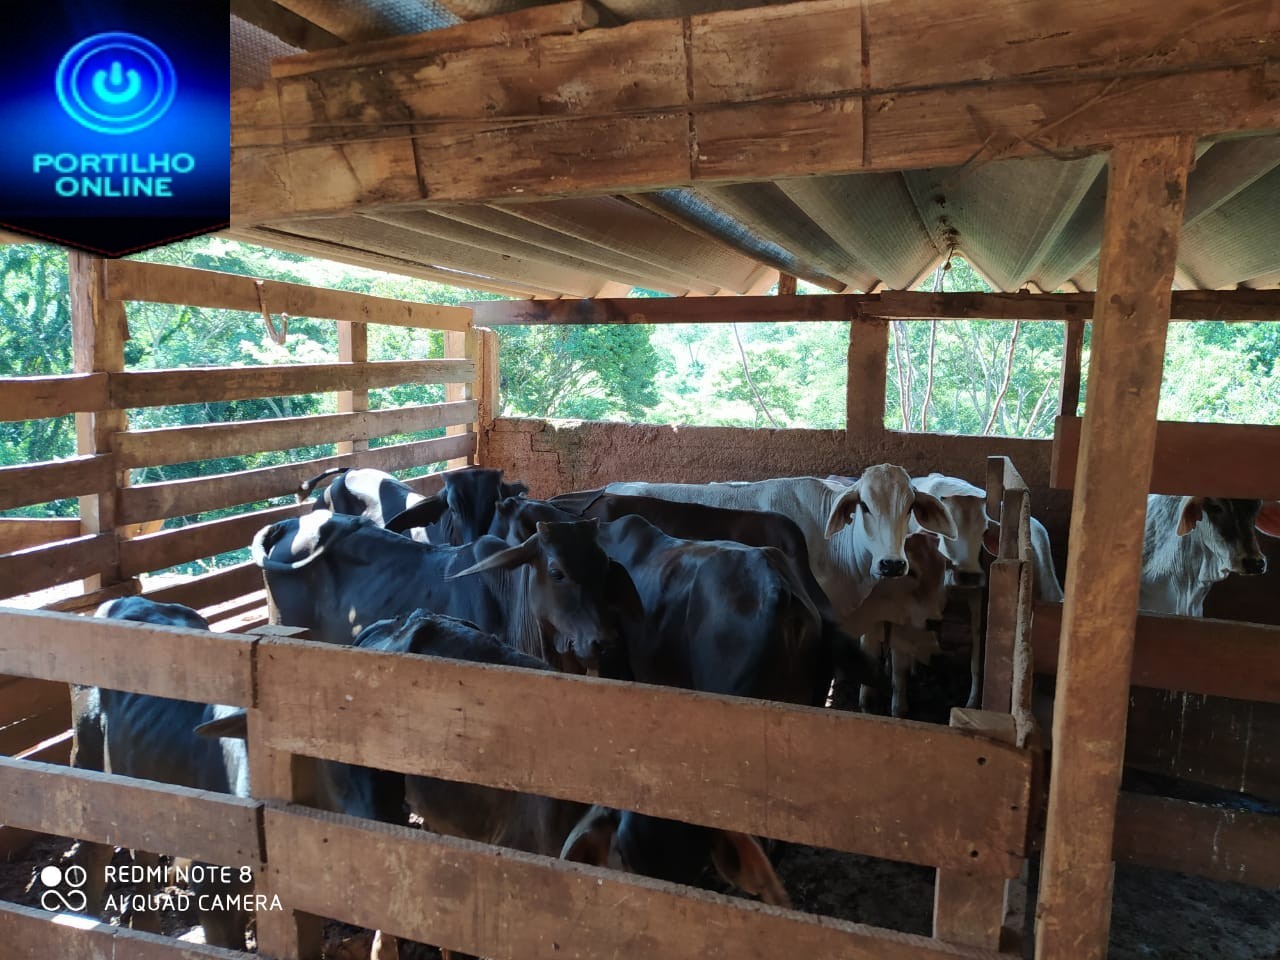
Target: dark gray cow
136,735
552,596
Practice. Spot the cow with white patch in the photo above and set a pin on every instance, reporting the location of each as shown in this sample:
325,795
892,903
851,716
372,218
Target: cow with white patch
1191,543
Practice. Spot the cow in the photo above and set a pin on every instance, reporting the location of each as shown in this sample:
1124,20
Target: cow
719,617
1191,543
854,534
460,512
154,738
555,595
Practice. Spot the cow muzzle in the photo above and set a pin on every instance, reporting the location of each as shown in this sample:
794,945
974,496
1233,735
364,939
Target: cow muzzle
1252,566
891,568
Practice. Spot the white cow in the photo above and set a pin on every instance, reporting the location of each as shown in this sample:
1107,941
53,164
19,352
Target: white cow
855,534
1191,543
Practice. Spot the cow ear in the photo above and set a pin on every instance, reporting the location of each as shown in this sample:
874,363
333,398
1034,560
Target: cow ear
421,514
513,489
507,559
842,511
932,515
234,726
592,840
1192,511
1268,520
740,860
991,539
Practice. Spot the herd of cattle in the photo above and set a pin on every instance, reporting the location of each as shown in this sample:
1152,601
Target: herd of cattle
780,589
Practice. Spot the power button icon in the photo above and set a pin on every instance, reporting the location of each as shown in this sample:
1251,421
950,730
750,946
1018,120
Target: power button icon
115,83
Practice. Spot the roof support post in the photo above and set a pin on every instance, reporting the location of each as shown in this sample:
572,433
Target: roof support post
1146,194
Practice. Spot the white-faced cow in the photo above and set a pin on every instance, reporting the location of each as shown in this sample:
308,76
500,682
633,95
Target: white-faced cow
1191,543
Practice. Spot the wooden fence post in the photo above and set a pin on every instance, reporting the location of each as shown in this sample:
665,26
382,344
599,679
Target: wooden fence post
99,329
460,344
1072,358
486,388
283,777
868,368
353,347
1146,195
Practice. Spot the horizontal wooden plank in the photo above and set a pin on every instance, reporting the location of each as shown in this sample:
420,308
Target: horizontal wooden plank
56,749
138,657
822,777
28,697
161,283
1205,739
1221,658
144,448
19,533
157,551
31,932
34,398
1235,305
508,28
1201,459
157,388
89,602
211,588
425,887
125,812
178,498
34,730
1234,845
23,485
38,568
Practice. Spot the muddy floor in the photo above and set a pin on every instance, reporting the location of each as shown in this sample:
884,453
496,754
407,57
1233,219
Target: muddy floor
1157,915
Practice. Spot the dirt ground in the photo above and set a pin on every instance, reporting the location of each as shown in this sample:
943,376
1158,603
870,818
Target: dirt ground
1157,915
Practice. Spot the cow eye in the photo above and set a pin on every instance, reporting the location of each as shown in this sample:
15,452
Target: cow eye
556,574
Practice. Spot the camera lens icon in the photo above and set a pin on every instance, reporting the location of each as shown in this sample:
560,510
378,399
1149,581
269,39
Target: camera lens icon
115,83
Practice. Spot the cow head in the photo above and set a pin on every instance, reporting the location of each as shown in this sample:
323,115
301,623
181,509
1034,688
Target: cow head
569,586
927,572
879,508
1226,529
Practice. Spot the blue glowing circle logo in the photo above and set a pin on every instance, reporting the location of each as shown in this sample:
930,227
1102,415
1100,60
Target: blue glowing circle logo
115,83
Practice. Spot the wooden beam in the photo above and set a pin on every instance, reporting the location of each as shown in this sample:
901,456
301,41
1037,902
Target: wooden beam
760,767
210,589
353,347
750,95
158,551
1200,459
38,568
1245,306
147,448
510,29
99,329
284,24
28,483
1072,357
162,283
32,932
1220,658
1232,845
868,361
33,398
541,907
160,388
19,533
125,812
1145,197
162,661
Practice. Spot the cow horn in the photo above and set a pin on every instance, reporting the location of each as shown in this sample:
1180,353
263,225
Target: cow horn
421,514
507,559
305,488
